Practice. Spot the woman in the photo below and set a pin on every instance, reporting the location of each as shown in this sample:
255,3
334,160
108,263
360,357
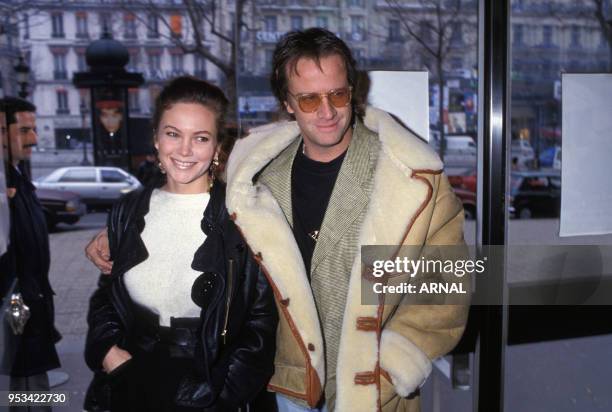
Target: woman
186,321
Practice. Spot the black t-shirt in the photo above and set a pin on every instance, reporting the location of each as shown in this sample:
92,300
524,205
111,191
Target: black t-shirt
312,184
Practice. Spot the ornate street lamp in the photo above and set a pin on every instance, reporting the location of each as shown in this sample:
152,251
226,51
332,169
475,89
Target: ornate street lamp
23,76
108,82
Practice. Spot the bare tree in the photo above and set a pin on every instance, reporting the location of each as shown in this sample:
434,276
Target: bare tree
434,36
603,14
204,17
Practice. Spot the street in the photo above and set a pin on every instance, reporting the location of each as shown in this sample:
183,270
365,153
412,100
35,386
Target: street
560,376
74,279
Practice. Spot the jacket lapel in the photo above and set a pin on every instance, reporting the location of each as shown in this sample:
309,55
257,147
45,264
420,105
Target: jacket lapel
277,177
350,195
264,224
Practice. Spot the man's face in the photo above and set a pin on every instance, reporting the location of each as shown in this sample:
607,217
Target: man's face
23,136
326,131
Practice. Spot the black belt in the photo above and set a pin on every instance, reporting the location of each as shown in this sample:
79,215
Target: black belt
181,337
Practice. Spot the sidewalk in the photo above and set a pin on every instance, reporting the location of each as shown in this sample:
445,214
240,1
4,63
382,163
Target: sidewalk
74,279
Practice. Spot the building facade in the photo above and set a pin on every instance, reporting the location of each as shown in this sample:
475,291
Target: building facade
548,37
54,37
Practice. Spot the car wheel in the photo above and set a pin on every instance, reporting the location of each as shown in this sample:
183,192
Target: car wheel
469,213
525,213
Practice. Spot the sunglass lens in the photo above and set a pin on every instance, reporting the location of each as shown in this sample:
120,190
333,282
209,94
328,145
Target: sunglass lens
309,102
340,98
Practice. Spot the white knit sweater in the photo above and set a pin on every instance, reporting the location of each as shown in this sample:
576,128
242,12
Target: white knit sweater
172,234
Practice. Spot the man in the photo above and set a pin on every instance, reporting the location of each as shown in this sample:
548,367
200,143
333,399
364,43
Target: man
306,196
28,256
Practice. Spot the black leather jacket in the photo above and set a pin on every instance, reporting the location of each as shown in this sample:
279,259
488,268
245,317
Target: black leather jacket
239,317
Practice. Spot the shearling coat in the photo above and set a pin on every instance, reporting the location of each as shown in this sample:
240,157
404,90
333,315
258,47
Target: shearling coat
385,352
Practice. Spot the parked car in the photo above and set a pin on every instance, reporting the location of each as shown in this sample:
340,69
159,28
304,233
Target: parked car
96,185
536,193
60,206
522,154
460,148
551,157
463,179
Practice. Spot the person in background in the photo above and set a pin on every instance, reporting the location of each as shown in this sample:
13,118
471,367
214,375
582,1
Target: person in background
28,257
147,170
186,320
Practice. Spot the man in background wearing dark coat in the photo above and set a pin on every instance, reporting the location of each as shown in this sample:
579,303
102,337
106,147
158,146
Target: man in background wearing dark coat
28,256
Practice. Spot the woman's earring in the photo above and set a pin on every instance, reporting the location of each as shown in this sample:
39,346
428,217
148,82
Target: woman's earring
214,165
161,167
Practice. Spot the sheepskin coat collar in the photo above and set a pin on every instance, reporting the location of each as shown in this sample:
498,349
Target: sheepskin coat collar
396,200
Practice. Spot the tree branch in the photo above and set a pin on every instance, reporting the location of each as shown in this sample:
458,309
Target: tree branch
396,8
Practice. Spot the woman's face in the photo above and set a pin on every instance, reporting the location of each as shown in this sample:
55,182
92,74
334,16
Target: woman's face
111,119
186,141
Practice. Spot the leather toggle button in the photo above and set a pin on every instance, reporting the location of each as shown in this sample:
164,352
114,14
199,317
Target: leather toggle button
285,302
311,347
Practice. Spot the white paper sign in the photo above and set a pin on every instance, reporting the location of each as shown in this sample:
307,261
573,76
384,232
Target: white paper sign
403,94
586,168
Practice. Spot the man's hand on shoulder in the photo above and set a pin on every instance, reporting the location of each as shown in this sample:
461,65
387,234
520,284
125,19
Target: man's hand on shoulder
98,252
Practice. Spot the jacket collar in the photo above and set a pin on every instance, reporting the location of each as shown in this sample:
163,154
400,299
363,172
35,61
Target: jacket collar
265,143
213,214
135,211
350,194
17,179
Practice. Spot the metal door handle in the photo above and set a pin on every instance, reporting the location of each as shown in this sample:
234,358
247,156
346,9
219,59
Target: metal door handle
17,314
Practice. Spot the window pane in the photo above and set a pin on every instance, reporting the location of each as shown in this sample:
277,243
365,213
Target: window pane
152,26
559,345
270,23
112,176
79,175
57,25
297,23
